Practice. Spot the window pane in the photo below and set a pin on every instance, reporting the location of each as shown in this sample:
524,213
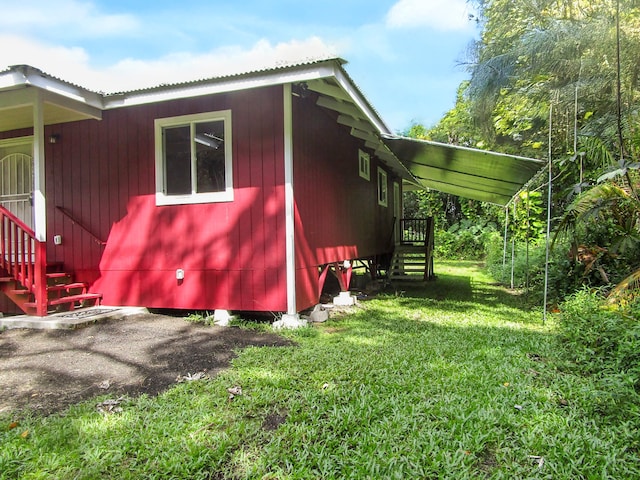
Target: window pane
210,155
382,187
177,160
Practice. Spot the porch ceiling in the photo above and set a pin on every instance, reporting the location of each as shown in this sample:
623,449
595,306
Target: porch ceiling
466,172
17,117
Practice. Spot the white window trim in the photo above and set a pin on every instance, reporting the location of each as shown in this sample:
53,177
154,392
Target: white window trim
383,188
209,197
364,164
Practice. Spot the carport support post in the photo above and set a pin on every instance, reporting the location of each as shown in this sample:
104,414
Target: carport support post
504,249
546,263
513,249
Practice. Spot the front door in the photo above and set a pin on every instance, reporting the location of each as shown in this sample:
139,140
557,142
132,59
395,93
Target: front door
16,183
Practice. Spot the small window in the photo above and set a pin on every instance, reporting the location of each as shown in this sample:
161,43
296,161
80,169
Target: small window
194,159
364,161
382,188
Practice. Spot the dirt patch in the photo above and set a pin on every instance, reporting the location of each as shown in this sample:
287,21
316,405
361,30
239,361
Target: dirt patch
48,370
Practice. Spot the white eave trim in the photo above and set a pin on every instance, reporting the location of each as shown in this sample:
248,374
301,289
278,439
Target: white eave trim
31,77
244,82
10,80
361,103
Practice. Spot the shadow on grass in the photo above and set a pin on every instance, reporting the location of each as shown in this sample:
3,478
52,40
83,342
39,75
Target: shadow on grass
407,372
458,294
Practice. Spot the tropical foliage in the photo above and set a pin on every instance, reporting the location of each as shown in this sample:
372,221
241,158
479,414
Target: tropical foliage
558,79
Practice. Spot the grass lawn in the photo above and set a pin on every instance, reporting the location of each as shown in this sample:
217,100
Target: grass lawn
452,379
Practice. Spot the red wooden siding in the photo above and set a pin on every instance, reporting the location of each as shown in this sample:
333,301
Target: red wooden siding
233,253
337,213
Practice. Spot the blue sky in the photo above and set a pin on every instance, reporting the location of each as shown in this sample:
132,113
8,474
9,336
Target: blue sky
403,54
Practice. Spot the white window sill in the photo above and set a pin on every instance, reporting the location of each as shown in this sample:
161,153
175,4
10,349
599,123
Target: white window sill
214,197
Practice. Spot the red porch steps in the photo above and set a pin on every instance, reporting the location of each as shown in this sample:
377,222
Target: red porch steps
62,292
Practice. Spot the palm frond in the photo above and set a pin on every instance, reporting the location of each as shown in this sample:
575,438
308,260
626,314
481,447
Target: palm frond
596,151
625,287
593,202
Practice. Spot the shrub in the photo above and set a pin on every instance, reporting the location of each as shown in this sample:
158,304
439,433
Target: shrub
463,241
565,275
603,342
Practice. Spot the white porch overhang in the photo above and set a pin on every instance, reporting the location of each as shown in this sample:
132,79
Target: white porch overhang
24,89
30,98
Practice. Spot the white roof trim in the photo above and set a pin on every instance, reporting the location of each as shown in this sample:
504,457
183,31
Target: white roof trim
213,86
361,102
24,76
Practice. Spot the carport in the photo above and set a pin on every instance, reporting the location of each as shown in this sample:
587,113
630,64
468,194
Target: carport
471,173
467,172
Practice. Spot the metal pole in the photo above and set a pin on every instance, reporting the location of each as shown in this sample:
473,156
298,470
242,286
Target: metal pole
526,283
546,264
504,249
513,249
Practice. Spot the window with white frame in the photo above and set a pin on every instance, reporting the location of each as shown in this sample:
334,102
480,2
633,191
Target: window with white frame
194,159
383,192
364,161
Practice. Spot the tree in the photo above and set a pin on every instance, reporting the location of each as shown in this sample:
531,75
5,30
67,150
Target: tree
534,52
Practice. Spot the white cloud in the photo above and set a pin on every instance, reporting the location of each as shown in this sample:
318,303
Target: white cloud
178,67
66,17
74,64
54,59
443,15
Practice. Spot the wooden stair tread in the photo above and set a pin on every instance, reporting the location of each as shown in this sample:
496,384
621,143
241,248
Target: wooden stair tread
18,291
57,275
66,286
75,298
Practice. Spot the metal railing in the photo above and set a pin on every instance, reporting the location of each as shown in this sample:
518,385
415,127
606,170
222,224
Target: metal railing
75,221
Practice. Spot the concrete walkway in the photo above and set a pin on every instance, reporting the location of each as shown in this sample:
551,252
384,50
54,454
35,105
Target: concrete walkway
78,318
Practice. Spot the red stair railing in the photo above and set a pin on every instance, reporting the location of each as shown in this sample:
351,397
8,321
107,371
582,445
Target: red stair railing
23,257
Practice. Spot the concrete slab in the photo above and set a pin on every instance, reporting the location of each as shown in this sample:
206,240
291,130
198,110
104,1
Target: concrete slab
78,318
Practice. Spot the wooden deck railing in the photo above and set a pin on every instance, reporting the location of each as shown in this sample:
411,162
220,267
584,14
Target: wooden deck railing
420,231
414,230
23,257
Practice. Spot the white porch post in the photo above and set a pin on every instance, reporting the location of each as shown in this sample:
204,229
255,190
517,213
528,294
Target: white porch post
290,319
39,203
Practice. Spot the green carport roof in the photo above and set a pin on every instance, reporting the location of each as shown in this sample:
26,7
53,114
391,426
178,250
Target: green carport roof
466,172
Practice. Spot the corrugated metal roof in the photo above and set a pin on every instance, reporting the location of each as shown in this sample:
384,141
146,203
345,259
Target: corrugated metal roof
470,173
27,70
277,68
466,172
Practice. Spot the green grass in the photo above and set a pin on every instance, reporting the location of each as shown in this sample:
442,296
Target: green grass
448,380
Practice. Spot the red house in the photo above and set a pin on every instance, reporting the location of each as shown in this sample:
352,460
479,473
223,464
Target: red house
229,193
232,193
